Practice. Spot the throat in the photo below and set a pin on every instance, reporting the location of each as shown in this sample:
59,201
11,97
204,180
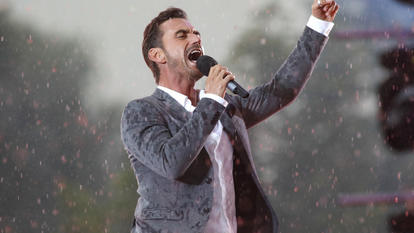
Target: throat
194,97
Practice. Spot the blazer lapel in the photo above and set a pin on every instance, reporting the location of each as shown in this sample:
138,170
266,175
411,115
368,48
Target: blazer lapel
236,139
227,123
172,106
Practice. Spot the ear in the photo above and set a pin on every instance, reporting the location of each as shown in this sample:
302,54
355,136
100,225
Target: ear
157,55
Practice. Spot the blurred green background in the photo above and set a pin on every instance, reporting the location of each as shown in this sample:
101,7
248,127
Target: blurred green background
69,67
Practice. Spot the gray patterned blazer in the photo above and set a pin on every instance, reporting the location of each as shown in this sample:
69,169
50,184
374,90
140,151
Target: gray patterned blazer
165,147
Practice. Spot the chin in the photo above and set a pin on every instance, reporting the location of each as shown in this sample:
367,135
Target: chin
196,76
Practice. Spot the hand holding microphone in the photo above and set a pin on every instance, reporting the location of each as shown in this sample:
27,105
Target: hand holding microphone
217,80
218,77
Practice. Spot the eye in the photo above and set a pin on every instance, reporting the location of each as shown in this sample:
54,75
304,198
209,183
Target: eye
181,35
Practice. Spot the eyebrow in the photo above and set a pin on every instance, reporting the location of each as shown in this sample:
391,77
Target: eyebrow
182,31
186,31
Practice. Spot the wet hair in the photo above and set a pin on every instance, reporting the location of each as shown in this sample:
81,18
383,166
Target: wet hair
153,35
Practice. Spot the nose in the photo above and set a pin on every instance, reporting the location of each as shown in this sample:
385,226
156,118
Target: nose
195,38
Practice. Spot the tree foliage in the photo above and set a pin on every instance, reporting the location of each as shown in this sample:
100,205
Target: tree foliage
53,177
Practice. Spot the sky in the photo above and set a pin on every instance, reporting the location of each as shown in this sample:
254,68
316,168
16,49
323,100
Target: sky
113,31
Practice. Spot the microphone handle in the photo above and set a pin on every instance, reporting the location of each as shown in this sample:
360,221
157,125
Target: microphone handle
237,89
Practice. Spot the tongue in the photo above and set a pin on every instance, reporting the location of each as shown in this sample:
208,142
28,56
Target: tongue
193,56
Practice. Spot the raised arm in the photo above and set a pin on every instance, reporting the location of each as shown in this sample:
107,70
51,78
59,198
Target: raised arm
269,98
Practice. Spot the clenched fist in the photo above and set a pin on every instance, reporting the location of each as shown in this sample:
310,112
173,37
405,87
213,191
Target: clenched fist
325,9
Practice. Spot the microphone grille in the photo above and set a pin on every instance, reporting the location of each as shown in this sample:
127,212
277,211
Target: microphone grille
204,63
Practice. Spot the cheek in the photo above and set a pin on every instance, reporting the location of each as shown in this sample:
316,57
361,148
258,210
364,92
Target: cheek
175,50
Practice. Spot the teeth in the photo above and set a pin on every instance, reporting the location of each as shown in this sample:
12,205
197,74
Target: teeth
194,54
195,51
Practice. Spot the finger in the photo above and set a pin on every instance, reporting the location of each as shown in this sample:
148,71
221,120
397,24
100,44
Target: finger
212,70
328,10
225,69
226,72
333,3
331,10
330,2
334,11
323,3
215,70
327,4
228,78
221,75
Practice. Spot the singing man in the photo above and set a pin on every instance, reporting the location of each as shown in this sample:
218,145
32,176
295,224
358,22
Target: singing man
189,148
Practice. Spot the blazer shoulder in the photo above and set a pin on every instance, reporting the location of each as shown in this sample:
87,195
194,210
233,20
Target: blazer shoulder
142,108
145,103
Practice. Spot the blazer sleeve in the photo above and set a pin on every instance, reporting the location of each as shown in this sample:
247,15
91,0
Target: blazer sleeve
145,134
272,96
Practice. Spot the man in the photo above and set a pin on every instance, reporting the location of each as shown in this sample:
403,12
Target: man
189,148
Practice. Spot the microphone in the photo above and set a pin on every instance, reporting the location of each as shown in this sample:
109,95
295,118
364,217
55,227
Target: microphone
204,63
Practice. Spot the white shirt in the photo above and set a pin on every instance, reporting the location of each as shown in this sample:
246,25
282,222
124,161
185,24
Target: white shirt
222,217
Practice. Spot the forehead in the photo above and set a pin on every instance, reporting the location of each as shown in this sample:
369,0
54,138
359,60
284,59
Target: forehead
175,24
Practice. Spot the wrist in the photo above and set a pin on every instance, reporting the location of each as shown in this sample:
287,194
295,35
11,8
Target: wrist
217,98
319,25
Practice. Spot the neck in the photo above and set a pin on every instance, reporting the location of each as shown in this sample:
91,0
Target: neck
181,85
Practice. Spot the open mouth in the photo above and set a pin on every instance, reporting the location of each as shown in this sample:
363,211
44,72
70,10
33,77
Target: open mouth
194,54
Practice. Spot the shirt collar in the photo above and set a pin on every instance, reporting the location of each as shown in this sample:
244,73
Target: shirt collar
180,98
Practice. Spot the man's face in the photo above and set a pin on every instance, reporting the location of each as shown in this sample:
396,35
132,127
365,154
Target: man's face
182,47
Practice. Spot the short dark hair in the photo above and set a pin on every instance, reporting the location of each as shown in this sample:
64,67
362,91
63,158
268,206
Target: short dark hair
153,35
